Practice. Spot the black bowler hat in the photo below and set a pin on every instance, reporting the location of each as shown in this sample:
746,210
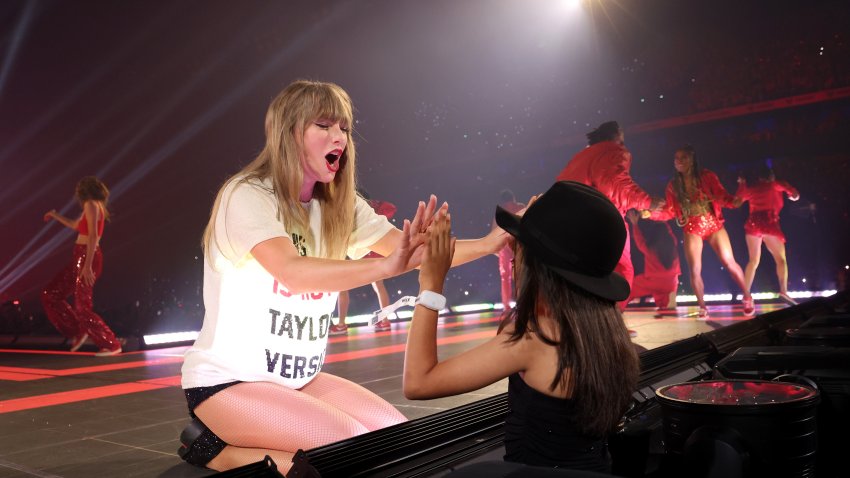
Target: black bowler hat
577,233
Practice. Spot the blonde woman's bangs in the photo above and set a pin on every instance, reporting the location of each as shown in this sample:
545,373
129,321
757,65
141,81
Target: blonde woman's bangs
333,104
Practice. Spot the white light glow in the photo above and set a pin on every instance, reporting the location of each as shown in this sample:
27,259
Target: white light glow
571,5
472,307
684,299
173,337
365,319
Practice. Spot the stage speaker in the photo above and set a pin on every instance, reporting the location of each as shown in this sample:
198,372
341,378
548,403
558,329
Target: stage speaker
740,428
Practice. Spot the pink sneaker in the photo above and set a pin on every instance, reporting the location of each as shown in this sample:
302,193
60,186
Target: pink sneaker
383,325
749,307
338,329
632,333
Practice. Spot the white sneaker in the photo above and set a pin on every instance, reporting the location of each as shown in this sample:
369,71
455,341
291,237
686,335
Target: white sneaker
78,342
787,299
107,352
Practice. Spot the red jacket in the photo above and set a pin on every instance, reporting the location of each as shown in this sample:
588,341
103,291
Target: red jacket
766,195
710,189
605,166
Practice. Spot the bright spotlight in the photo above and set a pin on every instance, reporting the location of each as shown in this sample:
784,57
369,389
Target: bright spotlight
571,4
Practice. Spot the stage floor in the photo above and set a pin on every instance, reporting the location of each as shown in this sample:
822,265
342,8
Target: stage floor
73,415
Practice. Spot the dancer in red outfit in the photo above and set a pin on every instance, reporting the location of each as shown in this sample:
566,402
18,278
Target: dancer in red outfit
696,199
386,209
660,277
765,196
604,165
80,322
507,201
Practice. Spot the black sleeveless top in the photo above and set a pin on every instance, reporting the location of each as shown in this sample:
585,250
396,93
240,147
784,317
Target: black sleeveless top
540,431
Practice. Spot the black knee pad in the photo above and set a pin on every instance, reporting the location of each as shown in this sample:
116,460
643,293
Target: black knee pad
198,444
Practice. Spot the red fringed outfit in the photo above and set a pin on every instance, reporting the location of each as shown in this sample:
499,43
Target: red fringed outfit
766,201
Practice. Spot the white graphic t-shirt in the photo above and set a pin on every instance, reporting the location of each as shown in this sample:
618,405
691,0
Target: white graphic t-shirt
254,329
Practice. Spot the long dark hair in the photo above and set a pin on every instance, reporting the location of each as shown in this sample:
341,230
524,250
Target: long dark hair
679,180
659,241
592,337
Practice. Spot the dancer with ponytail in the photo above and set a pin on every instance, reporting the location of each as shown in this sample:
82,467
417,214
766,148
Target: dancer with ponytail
80,323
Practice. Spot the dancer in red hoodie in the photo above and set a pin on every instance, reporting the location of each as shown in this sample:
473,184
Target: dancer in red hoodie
660,277
764,193
604,165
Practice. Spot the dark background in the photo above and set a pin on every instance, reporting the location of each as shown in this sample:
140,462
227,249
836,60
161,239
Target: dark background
164,100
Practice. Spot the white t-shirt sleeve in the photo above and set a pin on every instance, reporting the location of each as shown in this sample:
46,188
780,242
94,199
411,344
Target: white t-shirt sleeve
369,227
246,217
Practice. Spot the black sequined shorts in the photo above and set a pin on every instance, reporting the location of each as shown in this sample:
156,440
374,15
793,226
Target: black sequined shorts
199,445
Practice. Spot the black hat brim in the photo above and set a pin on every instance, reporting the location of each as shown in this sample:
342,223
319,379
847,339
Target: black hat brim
612,286
508,221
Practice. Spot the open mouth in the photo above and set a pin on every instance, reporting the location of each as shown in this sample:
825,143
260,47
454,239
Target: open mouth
333,160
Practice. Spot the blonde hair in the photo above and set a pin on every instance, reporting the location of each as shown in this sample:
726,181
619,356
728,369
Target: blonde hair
288,116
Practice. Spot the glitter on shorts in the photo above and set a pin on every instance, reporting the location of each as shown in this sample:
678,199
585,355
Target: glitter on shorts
764,223
703,225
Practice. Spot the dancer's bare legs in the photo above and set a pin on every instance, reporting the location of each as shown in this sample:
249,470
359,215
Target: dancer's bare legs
693,255
342,306
777,249
754,253
381,291
719,241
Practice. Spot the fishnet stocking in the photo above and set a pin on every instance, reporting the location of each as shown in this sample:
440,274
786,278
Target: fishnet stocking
264,415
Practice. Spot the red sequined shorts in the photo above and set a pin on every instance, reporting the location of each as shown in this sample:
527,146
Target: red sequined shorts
764,223
703,225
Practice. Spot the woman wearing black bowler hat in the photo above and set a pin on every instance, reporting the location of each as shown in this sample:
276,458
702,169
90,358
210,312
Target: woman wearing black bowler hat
565,349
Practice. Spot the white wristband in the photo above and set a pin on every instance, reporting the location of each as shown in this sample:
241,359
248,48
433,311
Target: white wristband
431,300
427,298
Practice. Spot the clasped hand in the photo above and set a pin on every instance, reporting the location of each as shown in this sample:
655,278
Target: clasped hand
408,254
